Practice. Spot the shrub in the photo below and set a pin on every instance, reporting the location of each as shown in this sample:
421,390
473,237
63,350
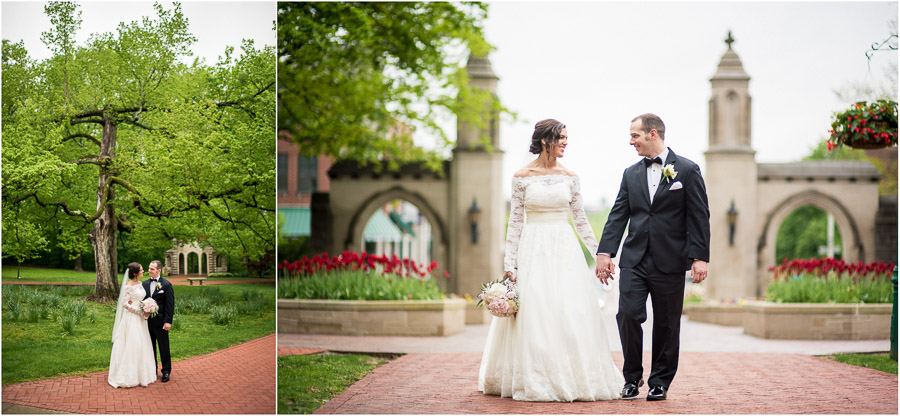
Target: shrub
68,323
222,315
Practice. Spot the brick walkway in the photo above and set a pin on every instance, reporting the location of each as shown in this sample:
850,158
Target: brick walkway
239,379
707,383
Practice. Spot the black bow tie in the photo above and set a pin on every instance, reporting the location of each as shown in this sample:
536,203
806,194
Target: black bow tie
648,161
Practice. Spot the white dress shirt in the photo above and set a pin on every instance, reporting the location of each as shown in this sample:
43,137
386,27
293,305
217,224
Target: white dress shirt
654,173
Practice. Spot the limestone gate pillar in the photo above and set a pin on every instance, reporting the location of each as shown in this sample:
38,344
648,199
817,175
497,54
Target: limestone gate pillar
476,176
731,177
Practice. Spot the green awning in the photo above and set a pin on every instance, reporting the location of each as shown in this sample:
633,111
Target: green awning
296,221
381,228
395,217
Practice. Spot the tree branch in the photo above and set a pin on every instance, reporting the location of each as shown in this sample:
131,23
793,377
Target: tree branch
82,135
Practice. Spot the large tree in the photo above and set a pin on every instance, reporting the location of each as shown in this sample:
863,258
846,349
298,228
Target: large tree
356,80
120,135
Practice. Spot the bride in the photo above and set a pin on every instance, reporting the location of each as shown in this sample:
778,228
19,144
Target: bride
131,362
555,348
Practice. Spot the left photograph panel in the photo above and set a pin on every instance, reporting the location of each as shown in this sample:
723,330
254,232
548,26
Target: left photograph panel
138,207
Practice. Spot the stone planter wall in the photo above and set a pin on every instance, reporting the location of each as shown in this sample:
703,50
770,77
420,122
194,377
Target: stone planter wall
817,321
343,317
719,314
476,315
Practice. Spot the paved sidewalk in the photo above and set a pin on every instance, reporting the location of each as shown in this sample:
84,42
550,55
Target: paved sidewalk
721,371
695,337
239,379
707,383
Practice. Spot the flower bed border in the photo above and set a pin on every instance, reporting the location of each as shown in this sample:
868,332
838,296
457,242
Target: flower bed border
812,321
349,317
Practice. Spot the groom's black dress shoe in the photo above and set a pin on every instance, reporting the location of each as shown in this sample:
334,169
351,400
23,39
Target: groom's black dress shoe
656,393
165,377
630,390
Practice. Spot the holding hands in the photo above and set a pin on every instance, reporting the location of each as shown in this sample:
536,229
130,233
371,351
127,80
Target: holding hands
604,268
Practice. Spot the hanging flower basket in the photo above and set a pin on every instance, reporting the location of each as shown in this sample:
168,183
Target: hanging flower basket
865,126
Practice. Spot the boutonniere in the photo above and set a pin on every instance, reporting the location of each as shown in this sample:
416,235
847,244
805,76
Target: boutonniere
158,286
668,173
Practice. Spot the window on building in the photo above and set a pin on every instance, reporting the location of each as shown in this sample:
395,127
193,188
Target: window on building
307,174
282,173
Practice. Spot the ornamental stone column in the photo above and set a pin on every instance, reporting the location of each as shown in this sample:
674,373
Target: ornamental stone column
731,177
476,176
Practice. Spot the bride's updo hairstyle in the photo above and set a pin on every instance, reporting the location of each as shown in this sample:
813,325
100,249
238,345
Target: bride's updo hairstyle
549,130
134,269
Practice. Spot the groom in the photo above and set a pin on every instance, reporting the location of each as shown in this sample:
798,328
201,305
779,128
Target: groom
161,291
664,198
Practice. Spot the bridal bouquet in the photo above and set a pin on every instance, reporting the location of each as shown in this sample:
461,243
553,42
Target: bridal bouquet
500,298
150,306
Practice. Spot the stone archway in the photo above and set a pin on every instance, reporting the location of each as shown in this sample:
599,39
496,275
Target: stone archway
851,245
354,238
193,263
748,200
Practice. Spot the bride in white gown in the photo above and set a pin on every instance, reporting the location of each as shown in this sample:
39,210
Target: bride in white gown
131,362
556,347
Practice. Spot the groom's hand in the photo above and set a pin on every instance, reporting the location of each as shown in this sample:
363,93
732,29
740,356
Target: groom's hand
698,271
604,268
167,326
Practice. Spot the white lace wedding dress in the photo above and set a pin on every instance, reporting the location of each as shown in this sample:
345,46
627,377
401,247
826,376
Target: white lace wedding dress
131,362
556,348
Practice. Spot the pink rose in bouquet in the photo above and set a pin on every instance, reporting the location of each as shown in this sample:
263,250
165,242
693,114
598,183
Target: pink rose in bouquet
150,306
500,298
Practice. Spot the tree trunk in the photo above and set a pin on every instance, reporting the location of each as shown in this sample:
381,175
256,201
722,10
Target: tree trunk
104,233
78,264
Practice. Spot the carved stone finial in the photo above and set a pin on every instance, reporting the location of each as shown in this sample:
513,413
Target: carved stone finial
729,40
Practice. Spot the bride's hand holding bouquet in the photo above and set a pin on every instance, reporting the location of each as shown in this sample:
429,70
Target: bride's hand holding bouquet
500,297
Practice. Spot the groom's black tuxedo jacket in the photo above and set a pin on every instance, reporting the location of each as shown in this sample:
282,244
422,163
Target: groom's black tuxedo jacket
165,298
675,228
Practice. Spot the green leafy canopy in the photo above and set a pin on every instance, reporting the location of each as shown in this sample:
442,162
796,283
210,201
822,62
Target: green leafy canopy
121,125
356,80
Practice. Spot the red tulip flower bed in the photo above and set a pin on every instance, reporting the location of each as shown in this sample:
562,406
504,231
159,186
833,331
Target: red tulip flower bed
359,276
828,280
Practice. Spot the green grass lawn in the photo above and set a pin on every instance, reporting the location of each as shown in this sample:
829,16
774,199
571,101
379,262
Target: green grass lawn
41,274
210,318
306,382
880,362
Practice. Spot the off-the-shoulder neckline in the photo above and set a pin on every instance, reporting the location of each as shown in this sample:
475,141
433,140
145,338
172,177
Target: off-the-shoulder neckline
545,176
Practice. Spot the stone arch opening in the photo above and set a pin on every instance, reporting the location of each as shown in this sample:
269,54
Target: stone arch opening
851,246
193,263
436,249
181,268
204,264
804,234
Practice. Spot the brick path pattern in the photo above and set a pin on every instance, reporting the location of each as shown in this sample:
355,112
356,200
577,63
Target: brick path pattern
707,383
235,380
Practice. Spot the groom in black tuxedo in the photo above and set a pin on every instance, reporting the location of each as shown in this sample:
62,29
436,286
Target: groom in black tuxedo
161,291
664,198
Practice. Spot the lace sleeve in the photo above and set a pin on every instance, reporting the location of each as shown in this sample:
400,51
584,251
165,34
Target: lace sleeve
516,223
134,307
579,218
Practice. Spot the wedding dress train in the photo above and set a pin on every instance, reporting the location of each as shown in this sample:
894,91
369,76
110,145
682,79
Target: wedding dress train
556,348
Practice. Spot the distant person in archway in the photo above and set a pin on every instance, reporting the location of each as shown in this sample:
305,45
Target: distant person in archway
554,348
